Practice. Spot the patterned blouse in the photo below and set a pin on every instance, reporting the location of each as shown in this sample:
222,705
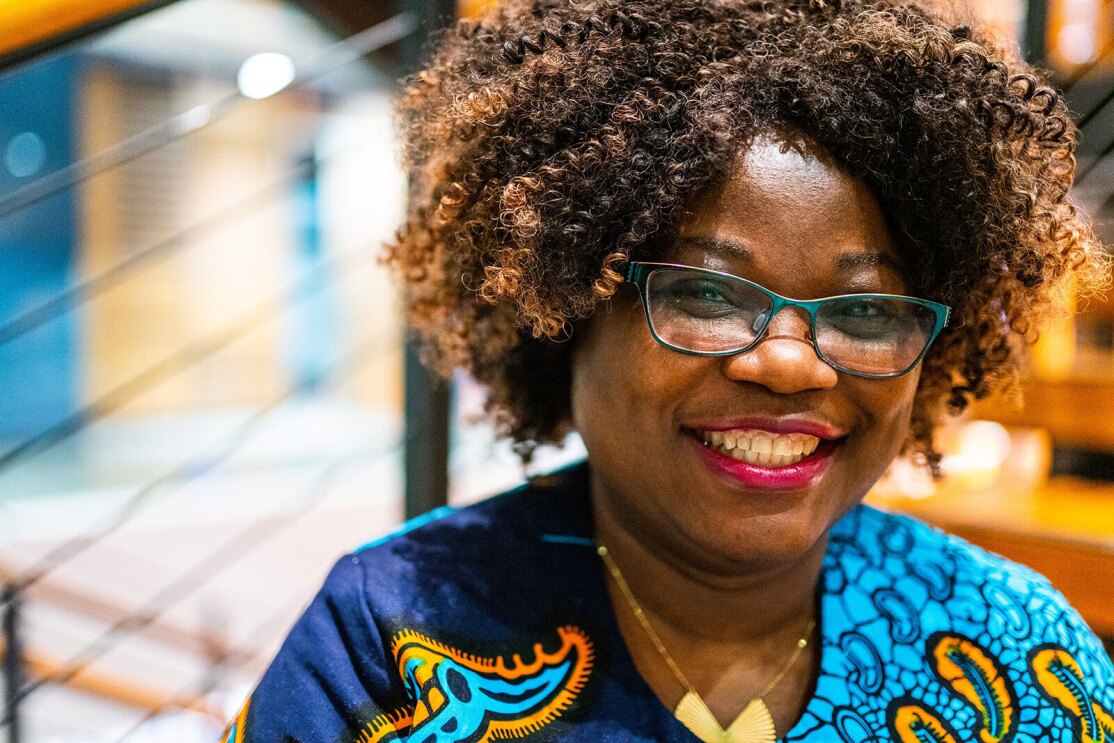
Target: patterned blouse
493,622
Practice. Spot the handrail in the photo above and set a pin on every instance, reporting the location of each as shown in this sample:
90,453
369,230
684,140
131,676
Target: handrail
114,689
312,67
32,27
193,642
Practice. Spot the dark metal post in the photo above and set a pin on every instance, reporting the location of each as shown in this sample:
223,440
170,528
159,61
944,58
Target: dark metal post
1035,43
427,436
427,397
13,664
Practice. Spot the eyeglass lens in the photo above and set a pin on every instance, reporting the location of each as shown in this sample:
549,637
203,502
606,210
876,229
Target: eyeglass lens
706,313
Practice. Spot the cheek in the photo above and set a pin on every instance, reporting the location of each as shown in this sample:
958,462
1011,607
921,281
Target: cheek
891,407
594,371
621,378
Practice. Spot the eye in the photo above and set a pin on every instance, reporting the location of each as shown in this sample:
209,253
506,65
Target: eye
699,297
866,316
865,308
702,290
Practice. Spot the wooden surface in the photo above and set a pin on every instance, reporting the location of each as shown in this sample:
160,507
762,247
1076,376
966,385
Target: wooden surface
1064,530
1078,412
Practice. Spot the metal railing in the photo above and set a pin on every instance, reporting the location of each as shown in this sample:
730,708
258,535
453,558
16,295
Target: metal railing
25,671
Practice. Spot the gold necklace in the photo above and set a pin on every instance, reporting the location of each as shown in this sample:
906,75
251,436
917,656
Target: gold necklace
754,724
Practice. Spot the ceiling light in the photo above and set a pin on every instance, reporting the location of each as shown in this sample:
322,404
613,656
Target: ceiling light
1077,42
265,74
25,154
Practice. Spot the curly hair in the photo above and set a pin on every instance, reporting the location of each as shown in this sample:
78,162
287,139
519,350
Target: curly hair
554,140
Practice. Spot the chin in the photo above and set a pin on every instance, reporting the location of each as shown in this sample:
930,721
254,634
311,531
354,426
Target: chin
766,540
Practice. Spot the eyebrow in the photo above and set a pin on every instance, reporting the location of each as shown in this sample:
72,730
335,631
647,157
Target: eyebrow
844,261
848,261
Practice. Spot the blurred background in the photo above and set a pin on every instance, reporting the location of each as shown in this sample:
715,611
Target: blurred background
206,394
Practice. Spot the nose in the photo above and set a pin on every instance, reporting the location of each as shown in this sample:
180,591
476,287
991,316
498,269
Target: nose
784,359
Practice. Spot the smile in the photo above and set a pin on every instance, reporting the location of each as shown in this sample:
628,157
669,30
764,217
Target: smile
750,454
761,448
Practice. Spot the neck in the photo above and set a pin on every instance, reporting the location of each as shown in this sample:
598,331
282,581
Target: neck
702,596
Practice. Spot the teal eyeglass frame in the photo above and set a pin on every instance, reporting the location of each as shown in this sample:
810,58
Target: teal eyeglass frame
638,273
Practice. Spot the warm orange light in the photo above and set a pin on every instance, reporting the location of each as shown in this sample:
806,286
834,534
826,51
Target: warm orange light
1078,31
29,22
1054,354
473,8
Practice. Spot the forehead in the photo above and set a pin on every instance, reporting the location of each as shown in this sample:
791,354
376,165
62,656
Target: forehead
787,211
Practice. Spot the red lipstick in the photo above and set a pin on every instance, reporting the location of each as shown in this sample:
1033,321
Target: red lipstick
796,476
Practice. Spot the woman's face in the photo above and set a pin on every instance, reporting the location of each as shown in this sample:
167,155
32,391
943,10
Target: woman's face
791,220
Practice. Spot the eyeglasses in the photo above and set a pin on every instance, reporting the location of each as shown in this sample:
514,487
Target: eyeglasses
710,313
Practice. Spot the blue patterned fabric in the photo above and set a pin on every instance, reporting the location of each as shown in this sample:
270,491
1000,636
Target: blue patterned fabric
493,623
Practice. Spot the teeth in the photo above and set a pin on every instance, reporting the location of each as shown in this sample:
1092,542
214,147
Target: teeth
762,443
762,447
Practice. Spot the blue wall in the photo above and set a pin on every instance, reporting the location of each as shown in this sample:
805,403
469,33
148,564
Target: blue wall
38,371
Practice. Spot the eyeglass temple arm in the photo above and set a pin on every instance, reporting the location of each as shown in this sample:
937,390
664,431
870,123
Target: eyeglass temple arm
633,271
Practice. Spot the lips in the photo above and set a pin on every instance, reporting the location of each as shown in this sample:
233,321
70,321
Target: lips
758,447
767,454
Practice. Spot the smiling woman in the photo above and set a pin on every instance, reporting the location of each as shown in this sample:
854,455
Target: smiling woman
750,252
789,219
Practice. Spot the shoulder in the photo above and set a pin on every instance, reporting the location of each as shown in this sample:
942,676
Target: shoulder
924,626
477,579
945,586
554,502
481,542
947,567
898,542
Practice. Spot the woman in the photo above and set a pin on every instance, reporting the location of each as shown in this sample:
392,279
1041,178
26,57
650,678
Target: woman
751,252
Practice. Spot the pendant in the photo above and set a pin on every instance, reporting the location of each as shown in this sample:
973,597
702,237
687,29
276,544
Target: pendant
754,724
